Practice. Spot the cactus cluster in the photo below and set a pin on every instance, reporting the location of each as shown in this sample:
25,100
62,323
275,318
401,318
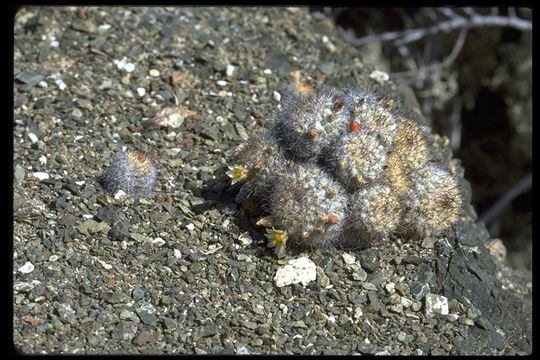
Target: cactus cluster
346,168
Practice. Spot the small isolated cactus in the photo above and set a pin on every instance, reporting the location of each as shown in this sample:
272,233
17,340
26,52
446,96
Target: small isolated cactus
346,168
132,171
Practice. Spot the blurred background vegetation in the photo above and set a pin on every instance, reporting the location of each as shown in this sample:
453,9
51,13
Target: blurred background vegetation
471,70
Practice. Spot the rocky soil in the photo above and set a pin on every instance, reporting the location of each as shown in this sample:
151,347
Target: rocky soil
184,272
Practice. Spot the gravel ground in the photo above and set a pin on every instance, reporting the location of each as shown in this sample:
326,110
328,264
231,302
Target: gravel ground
185,272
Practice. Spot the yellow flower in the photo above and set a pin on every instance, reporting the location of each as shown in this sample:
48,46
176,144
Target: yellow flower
237,173
277,239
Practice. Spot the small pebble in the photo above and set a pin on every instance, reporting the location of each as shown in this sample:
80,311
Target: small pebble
27,268
158,241
301,270
137,293
379,76
230,70
390,287
348,258
120,194
41,175
245,239
436,304
33,137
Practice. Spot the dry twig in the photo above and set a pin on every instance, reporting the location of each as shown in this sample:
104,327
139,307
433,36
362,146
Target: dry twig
504,201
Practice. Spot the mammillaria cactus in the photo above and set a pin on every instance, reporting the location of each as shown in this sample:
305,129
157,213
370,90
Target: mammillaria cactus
132,171
347,168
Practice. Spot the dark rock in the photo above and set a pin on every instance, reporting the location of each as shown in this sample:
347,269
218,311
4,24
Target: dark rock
369,259
124,331
31,78
119,231
137,293
86,26
109,214
364,348
170,324
419,290
208,331
66,313
115,297
496,340
145,337
147,314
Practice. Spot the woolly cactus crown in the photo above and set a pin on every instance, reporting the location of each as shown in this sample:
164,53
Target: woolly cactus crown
347,167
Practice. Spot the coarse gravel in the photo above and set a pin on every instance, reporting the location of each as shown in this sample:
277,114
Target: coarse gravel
186,272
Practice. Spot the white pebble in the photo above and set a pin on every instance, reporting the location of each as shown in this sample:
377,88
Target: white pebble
61,84
104,27
436,304
105,265
33,137
41,175
177,254
221,83
230,70
88,216
328,44
190,227
43,84
153,73
301,270
27,268
406,302
379,76
25,286
158,241
225,224
43,160
120,194
348,258
245,239
267,72
390,287
54,258
82,182
358,312
141,91
129,67
277,96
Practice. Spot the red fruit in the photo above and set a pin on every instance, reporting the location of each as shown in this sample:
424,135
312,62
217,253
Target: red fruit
355,127
259,165
312,133
333,219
